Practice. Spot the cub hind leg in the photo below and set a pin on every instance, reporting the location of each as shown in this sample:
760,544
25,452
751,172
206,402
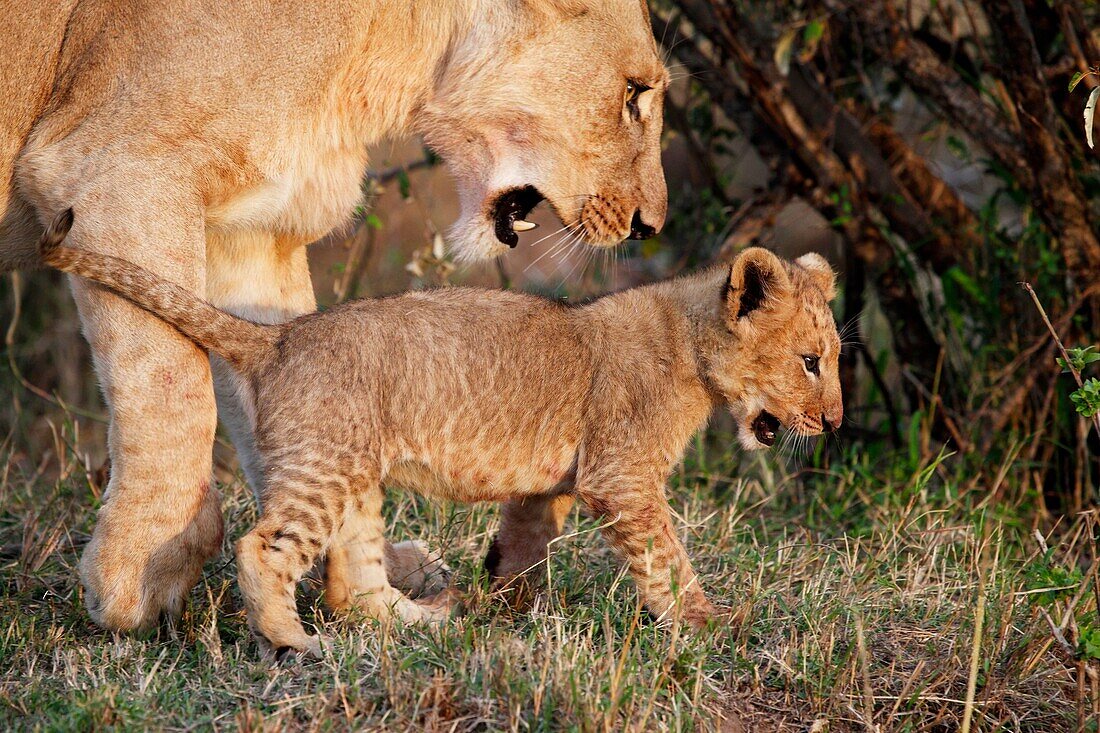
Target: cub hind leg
359,568
301,514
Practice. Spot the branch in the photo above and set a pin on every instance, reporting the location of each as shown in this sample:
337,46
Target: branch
919,67
1058,341
388,174
933,244
1060,197
826,172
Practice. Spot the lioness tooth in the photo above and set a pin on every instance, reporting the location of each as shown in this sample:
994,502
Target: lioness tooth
519,225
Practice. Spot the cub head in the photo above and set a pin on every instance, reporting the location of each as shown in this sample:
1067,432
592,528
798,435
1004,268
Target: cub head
556,100
778,366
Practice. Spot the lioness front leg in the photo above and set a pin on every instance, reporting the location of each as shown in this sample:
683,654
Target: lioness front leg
519,550
638,526
161,517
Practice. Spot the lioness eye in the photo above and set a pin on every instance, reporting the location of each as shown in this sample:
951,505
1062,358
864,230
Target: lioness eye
811,364
634,89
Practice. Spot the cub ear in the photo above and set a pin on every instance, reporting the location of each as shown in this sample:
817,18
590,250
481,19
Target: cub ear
822,275
758,281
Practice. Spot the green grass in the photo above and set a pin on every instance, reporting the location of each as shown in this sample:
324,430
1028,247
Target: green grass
896,546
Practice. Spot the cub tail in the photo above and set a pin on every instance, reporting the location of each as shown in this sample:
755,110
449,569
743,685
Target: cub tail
242,343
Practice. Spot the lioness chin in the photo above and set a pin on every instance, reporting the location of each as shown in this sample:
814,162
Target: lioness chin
479,395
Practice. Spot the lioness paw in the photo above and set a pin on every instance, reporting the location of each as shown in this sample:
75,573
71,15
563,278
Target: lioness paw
442,605
415,569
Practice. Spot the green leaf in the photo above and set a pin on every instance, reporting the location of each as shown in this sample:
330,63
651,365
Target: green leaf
1079,358
403,184
1076,79
373,221
958,148
811,39
1086,400
813,32
1089,644
1050,582
968,284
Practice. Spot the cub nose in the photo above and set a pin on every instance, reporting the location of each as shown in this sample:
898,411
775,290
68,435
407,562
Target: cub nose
638,228
830,425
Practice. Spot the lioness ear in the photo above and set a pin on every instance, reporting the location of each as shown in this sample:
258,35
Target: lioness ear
822,275
758,281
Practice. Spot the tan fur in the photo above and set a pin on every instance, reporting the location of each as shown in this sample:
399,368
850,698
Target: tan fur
473,395
208,142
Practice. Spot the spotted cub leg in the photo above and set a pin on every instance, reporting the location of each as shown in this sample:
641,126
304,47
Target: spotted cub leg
639,528
296,526
356,569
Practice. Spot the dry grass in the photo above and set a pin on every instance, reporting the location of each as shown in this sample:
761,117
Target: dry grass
859,583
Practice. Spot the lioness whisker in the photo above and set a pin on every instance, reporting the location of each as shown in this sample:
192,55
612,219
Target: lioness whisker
547,250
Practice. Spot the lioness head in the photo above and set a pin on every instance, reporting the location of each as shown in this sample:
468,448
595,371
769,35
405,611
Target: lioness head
778,367
559,100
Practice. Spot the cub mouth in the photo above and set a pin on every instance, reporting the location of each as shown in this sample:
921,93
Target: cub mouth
510,210
765,427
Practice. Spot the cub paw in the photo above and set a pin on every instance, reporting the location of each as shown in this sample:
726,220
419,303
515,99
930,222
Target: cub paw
292,651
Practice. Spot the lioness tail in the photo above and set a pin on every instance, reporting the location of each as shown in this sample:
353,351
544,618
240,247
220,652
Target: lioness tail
242,343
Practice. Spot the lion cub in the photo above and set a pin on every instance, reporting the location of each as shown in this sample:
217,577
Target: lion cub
481,395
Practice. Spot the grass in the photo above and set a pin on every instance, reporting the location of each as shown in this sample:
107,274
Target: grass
859,577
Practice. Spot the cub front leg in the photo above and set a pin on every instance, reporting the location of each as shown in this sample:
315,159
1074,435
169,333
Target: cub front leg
639,528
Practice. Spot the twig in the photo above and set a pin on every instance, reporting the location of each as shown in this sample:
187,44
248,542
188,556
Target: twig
388,174
1061,347
9,343
865,674
1058,635
976,644
884,390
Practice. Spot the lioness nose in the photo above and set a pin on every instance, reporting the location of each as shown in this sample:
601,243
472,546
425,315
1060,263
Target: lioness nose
639,229
830,425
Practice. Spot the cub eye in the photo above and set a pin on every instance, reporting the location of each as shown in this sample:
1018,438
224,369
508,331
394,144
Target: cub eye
634,89
811,363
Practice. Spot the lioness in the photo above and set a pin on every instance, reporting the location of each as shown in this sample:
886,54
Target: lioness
208,142
479,395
